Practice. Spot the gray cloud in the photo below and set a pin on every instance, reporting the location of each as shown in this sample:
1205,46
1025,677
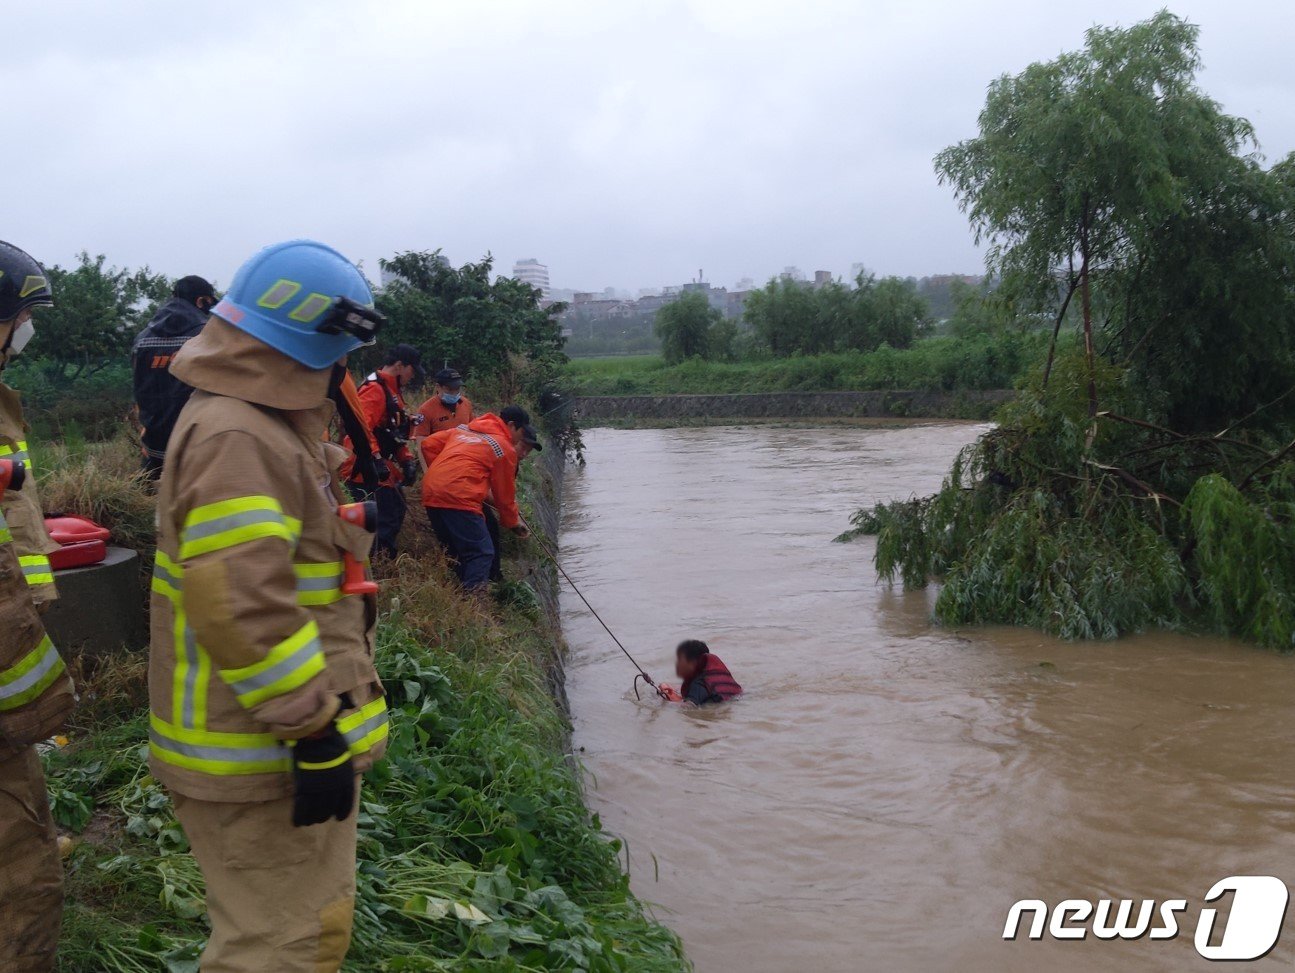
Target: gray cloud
624,143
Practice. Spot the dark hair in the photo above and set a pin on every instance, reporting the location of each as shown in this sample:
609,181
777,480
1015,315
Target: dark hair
191,288
515,415
405,354
692,649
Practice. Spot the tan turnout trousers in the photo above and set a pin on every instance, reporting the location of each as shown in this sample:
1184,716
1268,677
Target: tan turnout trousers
281,899
31,878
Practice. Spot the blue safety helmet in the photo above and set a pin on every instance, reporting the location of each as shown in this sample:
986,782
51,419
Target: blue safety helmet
303,299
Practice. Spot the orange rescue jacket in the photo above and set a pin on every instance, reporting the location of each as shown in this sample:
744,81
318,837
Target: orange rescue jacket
464,466
438,417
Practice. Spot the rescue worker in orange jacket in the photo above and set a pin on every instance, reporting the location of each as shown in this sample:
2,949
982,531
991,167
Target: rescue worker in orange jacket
265,704
388,418
464,467
447,407
36,693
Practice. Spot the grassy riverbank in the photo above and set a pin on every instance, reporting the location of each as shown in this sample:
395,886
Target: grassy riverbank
476,849
933,364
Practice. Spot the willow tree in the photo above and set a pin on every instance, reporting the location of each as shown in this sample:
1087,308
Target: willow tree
1150,478
1101,176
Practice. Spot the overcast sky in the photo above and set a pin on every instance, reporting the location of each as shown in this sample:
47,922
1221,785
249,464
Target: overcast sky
623,143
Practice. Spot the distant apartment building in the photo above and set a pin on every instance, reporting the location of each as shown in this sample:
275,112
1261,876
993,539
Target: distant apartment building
822,278
531,271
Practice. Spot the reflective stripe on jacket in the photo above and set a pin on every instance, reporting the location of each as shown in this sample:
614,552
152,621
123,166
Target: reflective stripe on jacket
36,693
22,507
252,639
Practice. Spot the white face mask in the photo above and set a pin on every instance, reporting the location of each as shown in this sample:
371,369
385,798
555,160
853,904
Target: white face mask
21,336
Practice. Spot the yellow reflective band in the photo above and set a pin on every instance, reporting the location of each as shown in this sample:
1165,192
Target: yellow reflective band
326,764
6,535
18,452
312,307
168,578
221,754
292,663
31,676
279,294
31,285
217,526
366,727
319,584
36,569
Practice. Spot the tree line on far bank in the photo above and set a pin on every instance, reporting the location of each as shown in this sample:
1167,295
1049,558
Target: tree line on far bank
76,372
788,318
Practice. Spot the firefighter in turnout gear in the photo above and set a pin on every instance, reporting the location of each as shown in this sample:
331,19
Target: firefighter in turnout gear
388,418
265,702
36,693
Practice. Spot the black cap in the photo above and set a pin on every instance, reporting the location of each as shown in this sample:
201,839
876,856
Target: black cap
450,378
193,287
532,439
410,356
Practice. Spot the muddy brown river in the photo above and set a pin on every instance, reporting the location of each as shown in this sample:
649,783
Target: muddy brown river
887,788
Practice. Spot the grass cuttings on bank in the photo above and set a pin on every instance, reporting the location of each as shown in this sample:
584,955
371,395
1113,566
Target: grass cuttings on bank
476,849
1094,528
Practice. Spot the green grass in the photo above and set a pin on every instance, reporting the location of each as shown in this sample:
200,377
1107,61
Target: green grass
933,364
476,849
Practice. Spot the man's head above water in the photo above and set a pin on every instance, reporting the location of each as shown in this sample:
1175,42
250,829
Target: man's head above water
690,658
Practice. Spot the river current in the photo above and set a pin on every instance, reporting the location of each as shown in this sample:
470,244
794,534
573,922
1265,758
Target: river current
888,788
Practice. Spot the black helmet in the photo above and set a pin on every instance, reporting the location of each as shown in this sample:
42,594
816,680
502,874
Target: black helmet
23,283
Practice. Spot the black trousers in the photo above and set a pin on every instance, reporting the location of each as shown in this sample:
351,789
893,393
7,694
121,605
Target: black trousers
466,539
492,525
391,516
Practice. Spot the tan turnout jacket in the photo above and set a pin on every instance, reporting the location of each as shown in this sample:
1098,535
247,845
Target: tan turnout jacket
253,639
36,692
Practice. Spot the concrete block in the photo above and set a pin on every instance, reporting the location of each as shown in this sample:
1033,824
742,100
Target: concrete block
101,608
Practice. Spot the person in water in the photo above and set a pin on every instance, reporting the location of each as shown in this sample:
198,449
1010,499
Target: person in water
705,677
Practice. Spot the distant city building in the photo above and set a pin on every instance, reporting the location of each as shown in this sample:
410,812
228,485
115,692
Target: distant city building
745,284
531,271
822,278
792,273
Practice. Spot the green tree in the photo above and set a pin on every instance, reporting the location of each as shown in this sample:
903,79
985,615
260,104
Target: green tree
97,312
896,314
685,328
1106,175
783,317
495,331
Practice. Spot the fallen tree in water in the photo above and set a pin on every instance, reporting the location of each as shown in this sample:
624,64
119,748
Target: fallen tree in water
1144,527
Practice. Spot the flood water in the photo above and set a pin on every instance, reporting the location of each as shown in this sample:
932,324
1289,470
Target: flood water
888,788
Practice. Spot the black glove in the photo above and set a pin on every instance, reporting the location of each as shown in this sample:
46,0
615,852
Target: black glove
323,779
409,470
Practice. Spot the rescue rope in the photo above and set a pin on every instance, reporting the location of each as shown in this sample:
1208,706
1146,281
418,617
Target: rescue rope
642,673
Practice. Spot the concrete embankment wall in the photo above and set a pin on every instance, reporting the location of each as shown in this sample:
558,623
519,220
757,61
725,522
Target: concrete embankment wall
893,404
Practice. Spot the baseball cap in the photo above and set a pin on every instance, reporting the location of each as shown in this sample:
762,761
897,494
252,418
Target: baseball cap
450,378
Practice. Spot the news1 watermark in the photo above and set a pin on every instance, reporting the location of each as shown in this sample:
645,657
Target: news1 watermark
1254,923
